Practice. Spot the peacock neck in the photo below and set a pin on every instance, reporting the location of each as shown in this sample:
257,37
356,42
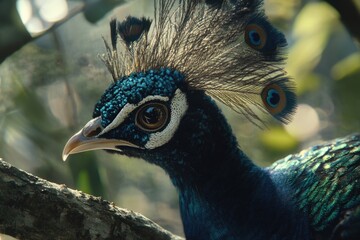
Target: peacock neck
204,152
220,189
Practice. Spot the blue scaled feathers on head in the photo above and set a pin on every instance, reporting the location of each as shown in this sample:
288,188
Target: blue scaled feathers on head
135,87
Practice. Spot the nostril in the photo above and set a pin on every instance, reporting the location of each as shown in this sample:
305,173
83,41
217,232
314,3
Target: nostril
92,128
93,132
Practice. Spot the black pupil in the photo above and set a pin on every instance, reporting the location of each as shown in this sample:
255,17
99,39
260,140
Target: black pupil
275,98
152,115
255,37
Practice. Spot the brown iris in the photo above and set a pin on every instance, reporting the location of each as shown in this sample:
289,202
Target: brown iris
152,117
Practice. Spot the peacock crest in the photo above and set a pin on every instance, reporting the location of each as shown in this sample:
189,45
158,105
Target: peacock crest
226,48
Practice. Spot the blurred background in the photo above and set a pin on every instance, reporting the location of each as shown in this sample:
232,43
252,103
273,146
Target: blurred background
51,77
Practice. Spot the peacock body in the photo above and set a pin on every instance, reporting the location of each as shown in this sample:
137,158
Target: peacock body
160,108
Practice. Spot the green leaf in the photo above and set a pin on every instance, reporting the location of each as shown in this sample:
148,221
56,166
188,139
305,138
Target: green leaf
312,29
278,139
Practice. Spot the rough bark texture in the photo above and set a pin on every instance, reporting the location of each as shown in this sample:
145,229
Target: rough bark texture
33,208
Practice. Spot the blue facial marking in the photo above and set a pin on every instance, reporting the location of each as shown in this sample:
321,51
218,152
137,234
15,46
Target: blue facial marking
273,98
135,87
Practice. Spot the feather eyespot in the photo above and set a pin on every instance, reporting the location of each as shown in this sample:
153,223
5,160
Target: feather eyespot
255,36
274,98
279,100
133,28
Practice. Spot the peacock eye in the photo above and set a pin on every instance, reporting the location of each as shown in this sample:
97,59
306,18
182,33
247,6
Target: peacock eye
255,36
152,117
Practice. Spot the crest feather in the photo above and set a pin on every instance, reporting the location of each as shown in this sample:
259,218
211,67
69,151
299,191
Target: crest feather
226,48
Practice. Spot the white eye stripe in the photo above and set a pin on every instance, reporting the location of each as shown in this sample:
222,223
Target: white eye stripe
127,109
178,108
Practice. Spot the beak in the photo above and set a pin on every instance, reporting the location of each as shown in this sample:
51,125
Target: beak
87,139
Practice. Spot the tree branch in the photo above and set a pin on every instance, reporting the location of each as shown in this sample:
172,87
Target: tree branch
350,15
33,208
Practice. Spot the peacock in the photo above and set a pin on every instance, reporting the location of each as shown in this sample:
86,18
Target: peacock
167,72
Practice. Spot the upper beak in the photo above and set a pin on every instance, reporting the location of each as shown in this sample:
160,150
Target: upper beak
87,139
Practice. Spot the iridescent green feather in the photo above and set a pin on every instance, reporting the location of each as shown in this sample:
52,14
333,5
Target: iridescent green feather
326,179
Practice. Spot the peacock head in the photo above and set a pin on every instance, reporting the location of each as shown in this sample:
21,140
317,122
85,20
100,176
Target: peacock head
163,83
142,111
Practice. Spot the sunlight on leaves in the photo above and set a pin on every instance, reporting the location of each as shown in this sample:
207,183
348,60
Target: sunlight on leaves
312,29
278,139
346,67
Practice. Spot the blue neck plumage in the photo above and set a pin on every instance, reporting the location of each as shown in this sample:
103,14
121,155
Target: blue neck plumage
219,187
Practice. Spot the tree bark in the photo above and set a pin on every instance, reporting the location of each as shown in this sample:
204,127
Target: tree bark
33,208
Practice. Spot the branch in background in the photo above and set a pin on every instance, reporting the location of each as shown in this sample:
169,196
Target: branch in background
33,208
17,35
13,32
350,15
